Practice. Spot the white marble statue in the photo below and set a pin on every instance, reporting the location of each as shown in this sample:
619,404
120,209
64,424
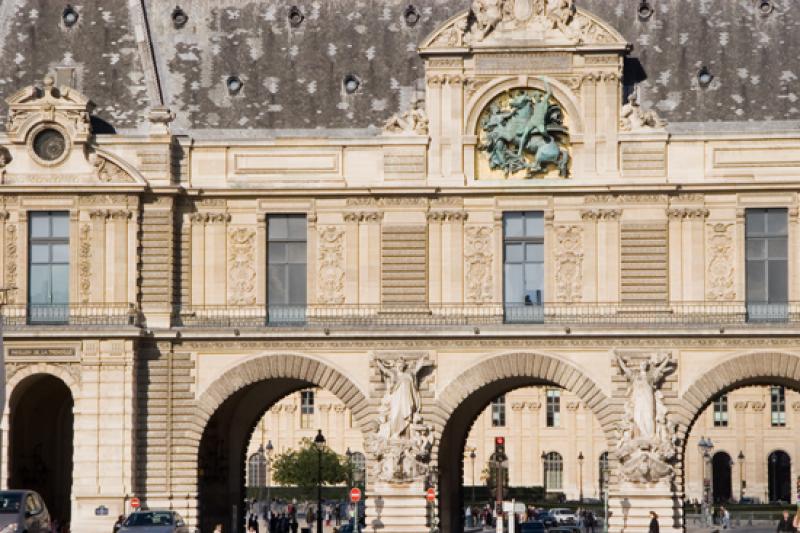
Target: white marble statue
643,385
402,443
645,437
402,393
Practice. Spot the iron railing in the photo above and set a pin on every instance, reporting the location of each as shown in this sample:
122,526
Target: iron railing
16,316
623,315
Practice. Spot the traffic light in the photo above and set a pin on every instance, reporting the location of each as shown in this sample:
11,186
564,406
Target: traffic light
500,447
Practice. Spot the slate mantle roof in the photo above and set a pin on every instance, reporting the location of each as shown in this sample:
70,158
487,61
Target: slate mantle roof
293,76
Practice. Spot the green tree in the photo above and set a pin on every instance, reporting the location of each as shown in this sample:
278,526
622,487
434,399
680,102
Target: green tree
299,467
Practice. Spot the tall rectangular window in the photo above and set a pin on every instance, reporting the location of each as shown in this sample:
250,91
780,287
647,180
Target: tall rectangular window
48,266
306,409
778,406
499,411
553,408
766,250
286,268
721,411
523,266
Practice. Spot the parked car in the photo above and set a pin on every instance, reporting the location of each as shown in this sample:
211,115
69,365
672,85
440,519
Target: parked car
533,526
545,517
154,522
23,510
564,516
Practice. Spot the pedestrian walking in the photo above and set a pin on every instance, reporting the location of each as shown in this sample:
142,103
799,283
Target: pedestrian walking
653,523
786,523
726,518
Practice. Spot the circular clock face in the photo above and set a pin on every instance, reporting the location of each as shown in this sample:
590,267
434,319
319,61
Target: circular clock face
49,144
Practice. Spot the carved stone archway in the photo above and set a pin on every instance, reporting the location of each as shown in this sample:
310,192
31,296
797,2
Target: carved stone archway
758,368
239,397
467,395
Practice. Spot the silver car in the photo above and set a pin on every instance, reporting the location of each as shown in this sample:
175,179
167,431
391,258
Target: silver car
154,522
23,511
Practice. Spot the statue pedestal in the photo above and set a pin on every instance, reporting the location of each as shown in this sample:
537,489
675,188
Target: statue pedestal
396,508
630,505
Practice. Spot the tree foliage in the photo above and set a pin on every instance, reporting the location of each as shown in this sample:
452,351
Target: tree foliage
300,467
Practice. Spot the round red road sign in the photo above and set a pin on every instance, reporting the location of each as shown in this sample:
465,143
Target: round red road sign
135,503
355,495
430,494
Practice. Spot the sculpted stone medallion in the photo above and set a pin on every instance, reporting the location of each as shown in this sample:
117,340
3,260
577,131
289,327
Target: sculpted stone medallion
522,134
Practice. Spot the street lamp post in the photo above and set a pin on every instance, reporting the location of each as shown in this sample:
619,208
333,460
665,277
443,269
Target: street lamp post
606,472
472,458
741,475
319,442
771,482
580,477
544,474
269,449
705,446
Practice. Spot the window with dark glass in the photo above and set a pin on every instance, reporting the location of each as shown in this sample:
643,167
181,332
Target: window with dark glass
721,411
523,265
778,406
286,268
499,412
553,408
554,470
767,271
48,266
306,409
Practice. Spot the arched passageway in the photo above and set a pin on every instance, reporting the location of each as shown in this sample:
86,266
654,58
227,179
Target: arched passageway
237,401
721,465
779,470
726,422
474,391
41,441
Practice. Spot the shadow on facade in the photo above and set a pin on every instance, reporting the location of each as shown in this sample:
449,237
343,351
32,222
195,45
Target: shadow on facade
41,441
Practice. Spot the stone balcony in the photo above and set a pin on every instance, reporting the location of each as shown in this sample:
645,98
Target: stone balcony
17,317
513,317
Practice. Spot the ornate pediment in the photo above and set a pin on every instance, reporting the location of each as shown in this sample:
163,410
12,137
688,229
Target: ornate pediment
63,108
530,23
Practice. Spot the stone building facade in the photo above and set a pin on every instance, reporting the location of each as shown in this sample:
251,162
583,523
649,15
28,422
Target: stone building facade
210,214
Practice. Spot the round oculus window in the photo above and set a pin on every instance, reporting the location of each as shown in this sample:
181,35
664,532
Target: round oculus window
49,144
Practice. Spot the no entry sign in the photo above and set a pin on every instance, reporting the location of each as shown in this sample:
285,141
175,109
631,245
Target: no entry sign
135,503
355,495
430,494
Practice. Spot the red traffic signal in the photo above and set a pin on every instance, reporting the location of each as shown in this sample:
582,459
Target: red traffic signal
500,447
430,494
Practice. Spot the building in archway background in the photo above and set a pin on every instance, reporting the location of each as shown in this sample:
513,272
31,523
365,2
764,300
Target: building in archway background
208,208
746,426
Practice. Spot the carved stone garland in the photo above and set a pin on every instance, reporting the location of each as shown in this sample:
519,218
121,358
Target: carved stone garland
11,261
720,266
569,263
241,269
85,262
478,258
330,283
